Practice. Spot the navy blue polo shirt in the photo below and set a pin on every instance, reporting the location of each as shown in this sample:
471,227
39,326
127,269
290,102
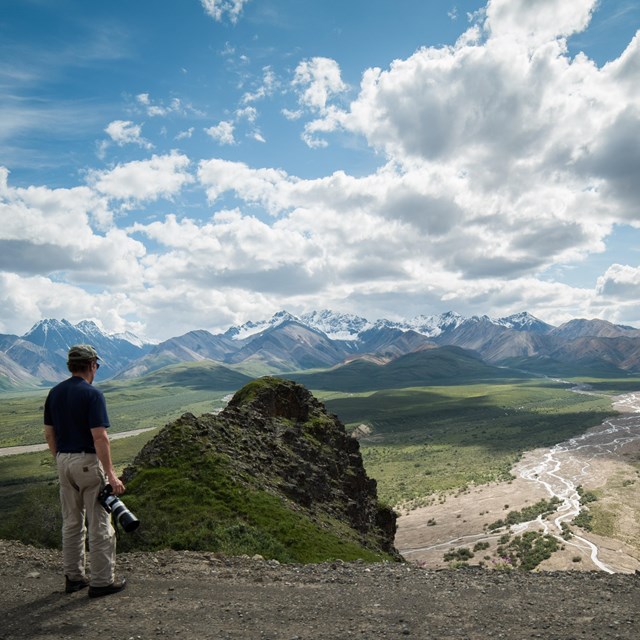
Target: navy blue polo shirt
73,408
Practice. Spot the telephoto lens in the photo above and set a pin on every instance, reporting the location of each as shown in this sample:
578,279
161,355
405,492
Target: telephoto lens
117,508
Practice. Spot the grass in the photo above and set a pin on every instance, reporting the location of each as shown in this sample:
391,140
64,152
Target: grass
18,473
152,400
618,500
190,505
613,386
603,521
180,511
129,408
29,505
433,439
21,418
424,441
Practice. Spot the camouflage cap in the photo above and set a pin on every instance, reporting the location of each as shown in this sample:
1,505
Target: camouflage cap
82,353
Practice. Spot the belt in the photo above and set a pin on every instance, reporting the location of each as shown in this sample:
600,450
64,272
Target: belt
81,451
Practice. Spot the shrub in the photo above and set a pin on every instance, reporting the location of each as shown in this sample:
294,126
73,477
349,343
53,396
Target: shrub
583,520
586,496
541,508
461,554
528,550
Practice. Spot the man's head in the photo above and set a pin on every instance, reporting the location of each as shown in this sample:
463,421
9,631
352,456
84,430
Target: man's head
82,358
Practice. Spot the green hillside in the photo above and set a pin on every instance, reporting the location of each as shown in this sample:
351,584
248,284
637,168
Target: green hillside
445,365
583,367
203,375
425,440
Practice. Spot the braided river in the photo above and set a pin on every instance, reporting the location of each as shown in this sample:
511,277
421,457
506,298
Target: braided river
589,461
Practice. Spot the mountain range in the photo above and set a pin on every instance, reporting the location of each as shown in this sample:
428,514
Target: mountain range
324,340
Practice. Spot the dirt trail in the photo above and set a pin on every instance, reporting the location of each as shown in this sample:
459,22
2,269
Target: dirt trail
196,595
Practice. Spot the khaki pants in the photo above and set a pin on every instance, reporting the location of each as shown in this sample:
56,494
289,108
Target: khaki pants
81,479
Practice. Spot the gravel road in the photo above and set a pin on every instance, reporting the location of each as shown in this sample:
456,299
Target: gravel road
30,448
198,595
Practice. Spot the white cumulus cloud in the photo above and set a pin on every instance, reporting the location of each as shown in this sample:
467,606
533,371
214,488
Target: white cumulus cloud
318,80
540,21
222,132
160,176
217,9
126,132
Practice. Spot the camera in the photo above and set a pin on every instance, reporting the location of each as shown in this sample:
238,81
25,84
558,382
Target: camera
117,508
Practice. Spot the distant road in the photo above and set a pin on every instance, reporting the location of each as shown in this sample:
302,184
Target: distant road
30,448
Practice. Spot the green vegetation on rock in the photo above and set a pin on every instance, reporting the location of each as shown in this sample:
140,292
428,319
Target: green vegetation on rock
180,511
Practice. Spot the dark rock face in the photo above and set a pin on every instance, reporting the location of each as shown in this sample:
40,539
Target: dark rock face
275,398
319,464
281,438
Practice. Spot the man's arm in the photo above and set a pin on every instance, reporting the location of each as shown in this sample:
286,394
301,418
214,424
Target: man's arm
103,451
50,437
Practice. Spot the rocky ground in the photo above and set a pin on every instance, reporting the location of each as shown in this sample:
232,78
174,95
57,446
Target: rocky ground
197,595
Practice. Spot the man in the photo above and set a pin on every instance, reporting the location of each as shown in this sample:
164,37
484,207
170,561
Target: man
76,422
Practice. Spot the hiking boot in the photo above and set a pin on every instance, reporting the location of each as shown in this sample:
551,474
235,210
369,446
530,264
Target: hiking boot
114,587
71,586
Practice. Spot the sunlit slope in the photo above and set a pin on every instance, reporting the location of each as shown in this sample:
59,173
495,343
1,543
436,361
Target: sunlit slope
446,365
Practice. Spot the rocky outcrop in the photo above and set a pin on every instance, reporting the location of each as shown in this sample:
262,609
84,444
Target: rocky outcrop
277,436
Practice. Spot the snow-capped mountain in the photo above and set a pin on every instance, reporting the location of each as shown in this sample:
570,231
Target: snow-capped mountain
322,339
433,326
42,351
250,329
344,326
134,339
336,326
524,321
340,326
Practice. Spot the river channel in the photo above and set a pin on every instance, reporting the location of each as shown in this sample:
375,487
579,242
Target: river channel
583,461
570,464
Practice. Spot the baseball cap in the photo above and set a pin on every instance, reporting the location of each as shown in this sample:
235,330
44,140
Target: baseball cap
82,353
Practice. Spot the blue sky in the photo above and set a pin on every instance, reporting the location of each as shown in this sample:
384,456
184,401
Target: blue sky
197,164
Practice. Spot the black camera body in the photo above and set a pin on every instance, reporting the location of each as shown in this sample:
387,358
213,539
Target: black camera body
117,508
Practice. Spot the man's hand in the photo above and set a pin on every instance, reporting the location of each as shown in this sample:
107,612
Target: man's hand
116,484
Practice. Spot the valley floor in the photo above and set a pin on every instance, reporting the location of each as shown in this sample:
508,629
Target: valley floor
604,461
460,521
